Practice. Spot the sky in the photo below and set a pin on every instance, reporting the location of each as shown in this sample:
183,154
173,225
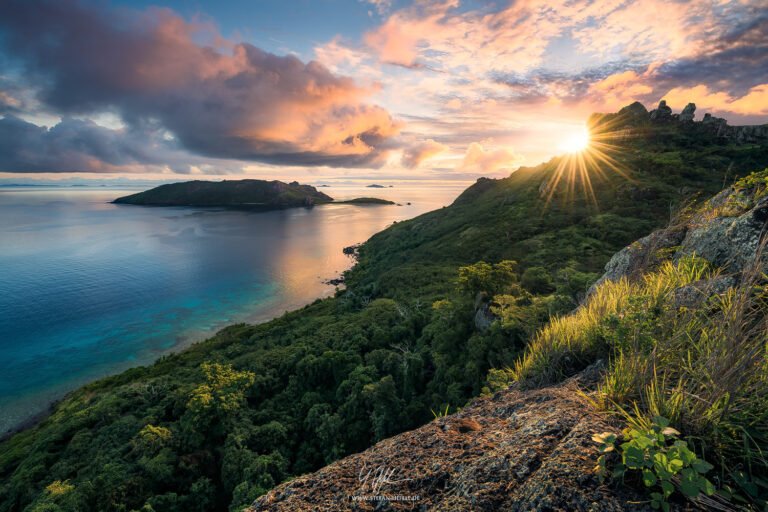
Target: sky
324,90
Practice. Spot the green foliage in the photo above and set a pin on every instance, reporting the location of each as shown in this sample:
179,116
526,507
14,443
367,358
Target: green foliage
255,405
537,280
152,439
748,190
664,462
440,413
703,368
488,279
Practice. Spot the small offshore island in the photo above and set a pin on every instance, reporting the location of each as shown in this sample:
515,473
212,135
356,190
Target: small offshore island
249,193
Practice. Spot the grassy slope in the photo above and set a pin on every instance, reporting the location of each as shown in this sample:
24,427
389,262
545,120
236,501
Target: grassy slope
342,373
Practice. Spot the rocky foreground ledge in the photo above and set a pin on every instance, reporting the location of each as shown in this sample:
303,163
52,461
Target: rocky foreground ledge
513,451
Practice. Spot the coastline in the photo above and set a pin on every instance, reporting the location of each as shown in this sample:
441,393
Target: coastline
187,341
32,421
18,420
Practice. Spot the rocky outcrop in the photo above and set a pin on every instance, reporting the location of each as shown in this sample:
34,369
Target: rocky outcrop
514,451
686,116
634,116
731,239
727,232
484,317
631,260
662,113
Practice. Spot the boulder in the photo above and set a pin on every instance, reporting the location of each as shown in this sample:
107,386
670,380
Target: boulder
694,294
686,116
728,242
662,113
526,451
484,317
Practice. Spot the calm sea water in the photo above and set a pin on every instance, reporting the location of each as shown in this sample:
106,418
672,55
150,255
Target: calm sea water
88,288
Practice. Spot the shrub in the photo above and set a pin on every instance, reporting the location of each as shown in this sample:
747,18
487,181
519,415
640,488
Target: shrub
703,368
663,466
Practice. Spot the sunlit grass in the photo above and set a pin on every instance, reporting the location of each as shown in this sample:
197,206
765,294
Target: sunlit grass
704,368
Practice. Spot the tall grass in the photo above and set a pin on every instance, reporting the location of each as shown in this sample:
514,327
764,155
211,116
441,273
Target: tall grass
704,368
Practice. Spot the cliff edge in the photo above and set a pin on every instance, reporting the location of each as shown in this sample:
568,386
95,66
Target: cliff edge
515,451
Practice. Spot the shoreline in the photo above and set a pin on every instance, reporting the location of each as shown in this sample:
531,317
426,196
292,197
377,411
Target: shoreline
32,421
189,341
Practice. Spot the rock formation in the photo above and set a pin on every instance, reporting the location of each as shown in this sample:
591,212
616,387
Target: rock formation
686,116
662,113
636,116
727,232
514,451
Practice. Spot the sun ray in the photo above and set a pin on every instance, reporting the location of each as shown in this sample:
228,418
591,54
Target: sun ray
592,155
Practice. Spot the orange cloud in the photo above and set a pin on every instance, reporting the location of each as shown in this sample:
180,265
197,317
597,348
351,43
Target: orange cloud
416,154
755,102
241,102
477,159
620,89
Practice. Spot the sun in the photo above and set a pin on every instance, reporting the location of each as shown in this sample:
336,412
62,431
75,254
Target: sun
588,156
577,141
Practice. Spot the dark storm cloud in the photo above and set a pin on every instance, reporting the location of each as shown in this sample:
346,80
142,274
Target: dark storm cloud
77,145
71,145
229,101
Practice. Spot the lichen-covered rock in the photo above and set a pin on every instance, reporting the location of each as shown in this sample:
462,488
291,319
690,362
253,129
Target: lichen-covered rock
686,116
638,255
728,242
484,317
726,232
514,451
694,294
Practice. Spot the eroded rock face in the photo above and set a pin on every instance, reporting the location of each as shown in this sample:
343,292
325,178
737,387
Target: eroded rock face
638,255
687,114
694,294
728,242
514,451
662,113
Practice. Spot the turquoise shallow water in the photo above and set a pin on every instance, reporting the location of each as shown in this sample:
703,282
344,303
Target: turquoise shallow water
88,288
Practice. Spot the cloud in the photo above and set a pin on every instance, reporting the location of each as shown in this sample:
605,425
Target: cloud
381,6
414,155
222,100
620,89
76,145
481,160
518,43
754,102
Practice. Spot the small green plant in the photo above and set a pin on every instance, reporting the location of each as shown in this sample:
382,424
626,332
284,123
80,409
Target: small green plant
663,459
440,413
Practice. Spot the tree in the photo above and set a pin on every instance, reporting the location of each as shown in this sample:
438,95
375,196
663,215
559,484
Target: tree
221,396
488,279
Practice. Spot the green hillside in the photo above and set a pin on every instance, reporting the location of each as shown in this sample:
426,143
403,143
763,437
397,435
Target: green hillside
215,426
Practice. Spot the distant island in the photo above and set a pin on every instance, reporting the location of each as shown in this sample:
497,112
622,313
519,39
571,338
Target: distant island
256,194
374,185
365,200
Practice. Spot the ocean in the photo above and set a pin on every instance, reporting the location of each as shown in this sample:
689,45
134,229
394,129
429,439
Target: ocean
89,288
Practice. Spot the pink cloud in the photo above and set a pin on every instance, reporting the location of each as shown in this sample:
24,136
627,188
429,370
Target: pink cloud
414,155
477,159
754,102
225,101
